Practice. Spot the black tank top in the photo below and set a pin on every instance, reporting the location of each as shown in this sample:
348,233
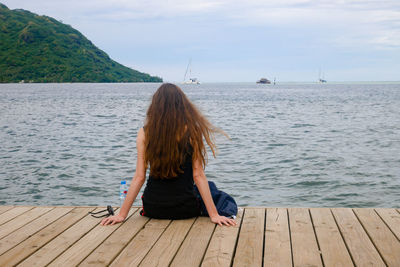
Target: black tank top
172,198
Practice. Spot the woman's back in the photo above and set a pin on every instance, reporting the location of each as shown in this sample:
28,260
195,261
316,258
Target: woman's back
173,197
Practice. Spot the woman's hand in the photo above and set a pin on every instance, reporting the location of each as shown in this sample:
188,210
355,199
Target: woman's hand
222,220
112,220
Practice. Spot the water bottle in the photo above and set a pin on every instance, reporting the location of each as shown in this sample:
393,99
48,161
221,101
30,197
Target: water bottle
123,191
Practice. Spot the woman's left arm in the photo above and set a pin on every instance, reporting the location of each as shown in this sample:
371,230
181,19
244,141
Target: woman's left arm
202,184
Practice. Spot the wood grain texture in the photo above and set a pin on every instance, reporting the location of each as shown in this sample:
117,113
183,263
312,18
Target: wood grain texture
84,246
12,213
104,254
385,241
166,247
358,243
277,248
193,248
249,249
333,248
21,220
31,228
392,219
304,243
5,208
59,236
222,245
62,242
34,242
137,249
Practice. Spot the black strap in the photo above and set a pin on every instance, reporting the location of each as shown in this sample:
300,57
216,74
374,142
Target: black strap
110,211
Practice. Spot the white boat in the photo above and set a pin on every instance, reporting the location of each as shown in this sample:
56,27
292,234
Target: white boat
190,80
321,79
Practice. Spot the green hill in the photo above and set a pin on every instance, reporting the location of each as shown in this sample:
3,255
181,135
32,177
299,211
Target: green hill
37,48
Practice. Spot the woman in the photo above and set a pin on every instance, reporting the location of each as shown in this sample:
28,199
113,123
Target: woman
171,143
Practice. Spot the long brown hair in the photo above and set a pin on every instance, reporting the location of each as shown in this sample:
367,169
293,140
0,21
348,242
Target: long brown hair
172,123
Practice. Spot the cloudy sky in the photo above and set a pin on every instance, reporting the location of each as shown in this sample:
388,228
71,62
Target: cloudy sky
240,41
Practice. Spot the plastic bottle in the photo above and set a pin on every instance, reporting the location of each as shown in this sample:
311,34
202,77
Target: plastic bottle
123,191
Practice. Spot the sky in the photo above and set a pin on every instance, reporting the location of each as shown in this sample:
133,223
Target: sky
240,41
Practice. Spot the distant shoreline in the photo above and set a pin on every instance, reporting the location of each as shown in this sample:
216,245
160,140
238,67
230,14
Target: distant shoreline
179,83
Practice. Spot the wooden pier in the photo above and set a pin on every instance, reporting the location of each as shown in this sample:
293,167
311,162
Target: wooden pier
68,236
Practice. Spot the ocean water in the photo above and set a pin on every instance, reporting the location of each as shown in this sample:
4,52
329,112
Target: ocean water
303,145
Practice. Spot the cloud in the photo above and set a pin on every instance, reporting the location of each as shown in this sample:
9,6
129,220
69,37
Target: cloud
342,23
224,8
356,22
254,34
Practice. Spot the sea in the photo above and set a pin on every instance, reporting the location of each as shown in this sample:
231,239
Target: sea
289,145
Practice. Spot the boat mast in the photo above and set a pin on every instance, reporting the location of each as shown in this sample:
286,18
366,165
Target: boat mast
319,75
187,68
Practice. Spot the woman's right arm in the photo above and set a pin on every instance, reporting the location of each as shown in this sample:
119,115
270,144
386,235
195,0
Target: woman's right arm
136,183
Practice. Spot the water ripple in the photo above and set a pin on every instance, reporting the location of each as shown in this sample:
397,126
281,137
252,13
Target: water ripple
291,145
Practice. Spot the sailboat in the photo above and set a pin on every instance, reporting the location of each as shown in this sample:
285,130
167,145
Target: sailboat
321,80
191,79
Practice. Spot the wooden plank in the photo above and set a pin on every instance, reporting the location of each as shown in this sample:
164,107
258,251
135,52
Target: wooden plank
58,245
277,246
384,240
137,249
392,219
84,246
104,254
222,245
38,239
19,221
304,243
358,243
333,248
13,213
249,250
5,208
34,242
166,247
195,244
66,206
31,228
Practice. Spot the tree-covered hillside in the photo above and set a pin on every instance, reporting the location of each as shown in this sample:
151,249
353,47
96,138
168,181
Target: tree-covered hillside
37,48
